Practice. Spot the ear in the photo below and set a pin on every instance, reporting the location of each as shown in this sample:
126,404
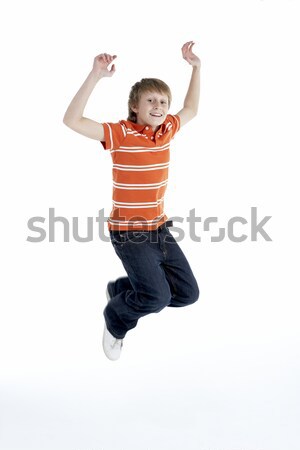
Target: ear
134,108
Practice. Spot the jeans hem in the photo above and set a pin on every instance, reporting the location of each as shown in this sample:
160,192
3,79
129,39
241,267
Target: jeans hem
112,332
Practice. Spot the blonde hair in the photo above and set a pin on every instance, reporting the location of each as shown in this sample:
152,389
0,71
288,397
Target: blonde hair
146,85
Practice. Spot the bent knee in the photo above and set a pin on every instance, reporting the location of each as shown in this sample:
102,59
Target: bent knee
153,303
160,303
194,294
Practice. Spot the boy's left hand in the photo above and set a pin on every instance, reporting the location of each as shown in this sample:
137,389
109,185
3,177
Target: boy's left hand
189,56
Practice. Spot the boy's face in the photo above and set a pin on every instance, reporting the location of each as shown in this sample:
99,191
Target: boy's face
152,109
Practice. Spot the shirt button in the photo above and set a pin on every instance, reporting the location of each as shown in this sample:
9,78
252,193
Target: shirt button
147,128
152,138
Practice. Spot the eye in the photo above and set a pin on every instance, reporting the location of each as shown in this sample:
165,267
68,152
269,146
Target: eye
149,99
163,102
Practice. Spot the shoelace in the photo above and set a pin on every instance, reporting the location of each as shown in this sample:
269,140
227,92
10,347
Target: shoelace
117,342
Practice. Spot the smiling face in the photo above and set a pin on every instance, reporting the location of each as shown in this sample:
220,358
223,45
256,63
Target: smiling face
152,109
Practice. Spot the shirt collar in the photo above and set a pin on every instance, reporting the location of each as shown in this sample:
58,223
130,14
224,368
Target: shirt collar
143,128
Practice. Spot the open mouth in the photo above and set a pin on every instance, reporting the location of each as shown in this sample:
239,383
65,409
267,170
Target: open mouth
156,114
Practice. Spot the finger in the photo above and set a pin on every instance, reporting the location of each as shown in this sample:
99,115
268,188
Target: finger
112,70
190,46
184,50
110,58
100,58
187,43
185,46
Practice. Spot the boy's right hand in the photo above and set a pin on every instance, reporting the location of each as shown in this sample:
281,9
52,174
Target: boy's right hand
101,63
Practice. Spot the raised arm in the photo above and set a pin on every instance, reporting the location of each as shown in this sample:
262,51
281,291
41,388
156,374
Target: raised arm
73,117
191,101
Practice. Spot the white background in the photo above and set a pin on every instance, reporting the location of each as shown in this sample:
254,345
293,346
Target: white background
222,374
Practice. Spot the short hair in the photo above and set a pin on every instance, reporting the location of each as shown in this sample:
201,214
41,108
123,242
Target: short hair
146,85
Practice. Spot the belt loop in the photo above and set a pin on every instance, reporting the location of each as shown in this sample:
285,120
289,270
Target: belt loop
168,223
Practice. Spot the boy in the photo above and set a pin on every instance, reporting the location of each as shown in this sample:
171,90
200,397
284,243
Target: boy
158,273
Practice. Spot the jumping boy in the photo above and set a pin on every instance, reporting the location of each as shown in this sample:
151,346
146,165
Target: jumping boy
158,273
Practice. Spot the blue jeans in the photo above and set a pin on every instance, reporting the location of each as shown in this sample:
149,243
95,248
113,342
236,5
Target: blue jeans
159,275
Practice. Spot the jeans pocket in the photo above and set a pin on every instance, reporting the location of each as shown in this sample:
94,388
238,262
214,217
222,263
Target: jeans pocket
169,238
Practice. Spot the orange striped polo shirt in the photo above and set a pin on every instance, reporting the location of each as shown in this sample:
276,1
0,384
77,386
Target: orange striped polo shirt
140,169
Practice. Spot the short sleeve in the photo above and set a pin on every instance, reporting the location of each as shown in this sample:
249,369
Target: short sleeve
114,135
172,124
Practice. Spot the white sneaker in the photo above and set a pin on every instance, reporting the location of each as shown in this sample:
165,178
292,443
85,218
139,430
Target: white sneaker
112,346
107,295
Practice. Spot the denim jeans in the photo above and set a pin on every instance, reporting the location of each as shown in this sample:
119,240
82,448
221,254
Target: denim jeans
158,275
